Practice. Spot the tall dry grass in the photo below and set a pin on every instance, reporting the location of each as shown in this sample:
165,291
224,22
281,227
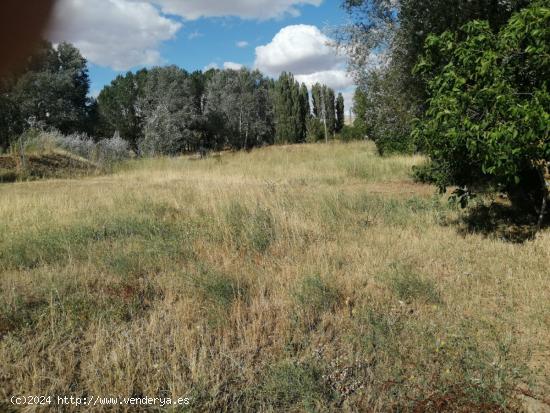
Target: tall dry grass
301,278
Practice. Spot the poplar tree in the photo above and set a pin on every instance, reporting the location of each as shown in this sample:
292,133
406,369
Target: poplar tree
305,111
288,127
330,109
316,92
340,120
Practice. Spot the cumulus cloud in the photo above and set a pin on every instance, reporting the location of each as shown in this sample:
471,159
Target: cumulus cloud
242,44
210,66
246,9
232,65
119,34
299,49
305,51
336,79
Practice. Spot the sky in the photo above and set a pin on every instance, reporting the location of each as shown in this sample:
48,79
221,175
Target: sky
271,35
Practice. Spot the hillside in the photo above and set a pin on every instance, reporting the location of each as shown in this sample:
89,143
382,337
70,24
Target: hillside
50,164
293,278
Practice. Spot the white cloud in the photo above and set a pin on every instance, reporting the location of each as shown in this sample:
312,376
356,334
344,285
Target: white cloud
307,53
348,99
209,66
232,65
336,79
119,34
194,35
242,44
300,49
246,9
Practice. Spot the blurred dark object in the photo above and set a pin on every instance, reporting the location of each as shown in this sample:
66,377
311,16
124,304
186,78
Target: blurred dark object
22,24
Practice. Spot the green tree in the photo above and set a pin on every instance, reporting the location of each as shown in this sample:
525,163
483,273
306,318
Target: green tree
169,113
53,88
10,120
316,97
118,107
340,113
330,109
388,115
288,113
488,116
324,109
384,41
305,111
239,101
360,112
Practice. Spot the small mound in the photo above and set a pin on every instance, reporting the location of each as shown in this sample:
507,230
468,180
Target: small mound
56,164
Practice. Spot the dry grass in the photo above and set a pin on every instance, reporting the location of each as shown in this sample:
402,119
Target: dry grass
303,278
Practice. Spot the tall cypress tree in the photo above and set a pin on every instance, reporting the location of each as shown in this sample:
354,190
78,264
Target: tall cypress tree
297,128
305,111
340,120
282,114
288,124
316,92
330,109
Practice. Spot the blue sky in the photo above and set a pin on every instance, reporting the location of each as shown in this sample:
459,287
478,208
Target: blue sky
272,35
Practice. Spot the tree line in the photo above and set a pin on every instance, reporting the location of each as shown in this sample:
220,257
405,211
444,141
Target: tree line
466,82
165,110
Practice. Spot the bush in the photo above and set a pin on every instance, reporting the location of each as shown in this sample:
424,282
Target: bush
350,133
428,173
103,151
112,150
315,130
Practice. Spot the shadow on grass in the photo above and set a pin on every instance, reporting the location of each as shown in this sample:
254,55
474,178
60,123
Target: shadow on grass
499,221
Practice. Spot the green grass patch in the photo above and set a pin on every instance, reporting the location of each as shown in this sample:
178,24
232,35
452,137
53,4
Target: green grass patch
71,306
218,288
314,296
30,249
411,287
251,230
292,386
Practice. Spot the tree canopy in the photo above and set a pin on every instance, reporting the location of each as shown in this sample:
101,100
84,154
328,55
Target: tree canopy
488,117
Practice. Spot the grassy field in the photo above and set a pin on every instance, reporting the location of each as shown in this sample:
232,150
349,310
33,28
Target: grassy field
299,279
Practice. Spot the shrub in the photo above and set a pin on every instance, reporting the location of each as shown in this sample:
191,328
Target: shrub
104,151
315,130
350,133
112,150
